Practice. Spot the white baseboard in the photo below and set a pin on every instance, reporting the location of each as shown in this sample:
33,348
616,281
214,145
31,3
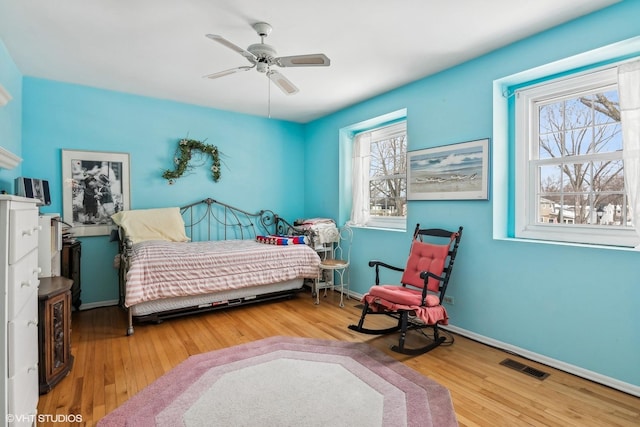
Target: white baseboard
355,295
557,364
91,305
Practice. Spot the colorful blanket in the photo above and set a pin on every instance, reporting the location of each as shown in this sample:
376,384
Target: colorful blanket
282,240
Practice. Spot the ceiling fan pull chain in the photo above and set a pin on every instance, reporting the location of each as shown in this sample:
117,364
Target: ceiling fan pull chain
268,98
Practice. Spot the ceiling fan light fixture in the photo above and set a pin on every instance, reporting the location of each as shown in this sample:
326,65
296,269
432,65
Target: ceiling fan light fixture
263,57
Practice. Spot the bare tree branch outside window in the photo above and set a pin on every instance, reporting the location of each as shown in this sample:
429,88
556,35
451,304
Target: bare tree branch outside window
388,177
579,161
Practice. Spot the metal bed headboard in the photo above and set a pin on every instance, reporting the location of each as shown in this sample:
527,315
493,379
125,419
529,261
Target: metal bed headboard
211,219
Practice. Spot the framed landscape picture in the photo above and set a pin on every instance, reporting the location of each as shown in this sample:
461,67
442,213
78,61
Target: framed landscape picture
95,185
450,172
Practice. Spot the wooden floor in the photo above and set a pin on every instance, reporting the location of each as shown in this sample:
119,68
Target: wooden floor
110,367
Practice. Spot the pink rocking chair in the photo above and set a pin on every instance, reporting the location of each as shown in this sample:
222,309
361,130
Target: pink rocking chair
423,285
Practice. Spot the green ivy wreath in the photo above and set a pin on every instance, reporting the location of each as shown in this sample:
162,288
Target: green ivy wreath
183,155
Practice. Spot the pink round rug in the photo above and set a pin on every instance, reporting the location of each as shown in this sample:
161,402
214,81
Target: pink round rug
286,381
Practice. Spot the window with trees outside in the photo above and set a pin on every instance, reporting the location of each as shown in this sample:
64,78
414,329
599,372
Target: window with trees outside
569,162
380,177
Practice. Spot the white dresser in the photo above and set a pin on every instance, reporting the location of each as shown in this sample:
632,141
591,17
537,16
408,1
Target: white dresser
19,310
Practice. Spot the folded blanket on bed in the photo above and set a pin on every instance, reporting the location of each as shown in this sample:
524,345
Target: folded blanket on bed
323,230
282,240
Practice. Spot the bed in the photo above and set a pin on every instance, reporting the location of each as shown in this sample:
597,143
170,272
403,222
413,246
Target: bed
207,256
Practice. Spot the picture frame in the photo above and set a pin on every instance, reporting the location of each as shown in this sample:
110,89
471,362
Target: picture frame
449,172
95,185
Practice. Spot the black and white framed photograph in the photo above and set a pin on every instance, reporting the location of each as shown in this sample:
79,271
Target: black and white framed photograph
95,186
450,172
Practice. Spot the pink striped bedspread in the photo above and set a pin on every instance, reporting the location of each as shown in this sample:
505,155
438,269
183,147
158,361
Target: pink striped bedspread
161,269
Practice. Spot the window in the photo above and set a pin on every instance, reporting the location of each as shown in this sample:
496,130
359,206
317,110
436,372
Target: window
380,177
569,162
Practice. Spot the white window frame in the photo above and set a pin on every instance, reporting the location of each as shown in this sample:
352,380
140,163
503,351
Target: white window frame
526,149
378,134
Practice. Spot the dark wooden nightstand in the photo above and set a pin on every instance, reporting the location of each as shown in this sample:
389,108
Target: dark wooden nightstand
54,331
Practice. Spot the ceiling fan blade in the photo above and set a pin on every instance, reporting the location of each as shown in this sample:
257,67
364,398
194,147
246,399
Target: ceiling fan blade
312,60
250,56
282,82
227,72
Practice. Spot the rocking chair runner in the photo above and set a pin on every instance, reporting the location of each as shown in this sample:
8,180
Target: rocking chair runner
424,283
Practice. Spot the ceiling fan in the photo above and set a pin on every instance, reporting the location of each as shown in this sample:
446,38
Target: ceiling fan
263,58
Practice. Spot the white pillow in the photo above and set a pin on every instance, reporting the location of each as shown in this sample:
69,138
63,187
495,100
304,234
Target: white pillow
152,224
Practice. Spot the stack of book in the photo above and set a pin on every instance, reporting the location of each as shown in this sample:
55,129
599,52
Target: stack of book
67,234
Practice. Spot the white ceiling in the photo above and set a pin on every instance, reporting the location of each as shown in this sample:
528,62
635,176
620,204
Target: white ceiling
158,48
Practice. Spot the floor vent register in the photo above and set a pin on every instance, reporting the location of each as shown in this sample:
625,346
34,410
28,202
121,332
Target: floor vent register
533,372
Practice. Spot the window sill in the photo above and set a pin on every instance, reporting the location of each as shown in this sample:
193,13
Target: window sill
579,234
369,227
579,245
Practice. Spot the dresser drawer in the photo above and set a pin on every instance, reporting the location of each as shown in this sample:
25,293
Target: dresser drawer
23,282
23,397
23,339
23,232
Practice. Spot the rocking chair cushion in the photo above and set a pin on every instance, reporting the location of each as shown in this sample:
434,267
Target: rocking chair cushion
403,296
429,315
425,257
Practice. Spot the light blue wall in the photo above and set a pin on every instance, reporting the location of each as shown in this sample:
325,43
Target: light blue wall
258,170
10,116
576,305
